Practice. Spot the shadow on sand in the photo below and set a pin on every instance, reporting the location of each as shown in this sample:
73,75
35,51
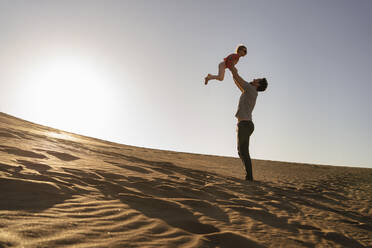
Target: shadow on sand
178,196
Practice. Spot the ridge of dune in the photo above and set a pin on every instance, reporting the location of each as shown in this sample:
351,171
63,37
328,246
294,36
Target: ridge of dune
59,189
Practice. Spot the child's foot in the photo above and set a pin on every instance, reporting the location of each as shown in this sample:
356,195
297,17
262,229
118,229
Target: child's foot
206,79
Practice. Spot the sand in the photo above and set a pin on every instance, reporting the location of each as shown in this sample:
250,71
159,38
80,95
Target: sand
59,189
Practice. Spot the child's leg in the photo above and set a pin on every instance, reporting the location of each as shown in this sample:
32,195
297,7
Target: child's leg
221,73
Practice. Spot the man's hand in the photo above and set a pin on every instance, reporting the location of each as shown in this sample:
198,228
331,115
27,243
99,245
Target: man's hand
233,70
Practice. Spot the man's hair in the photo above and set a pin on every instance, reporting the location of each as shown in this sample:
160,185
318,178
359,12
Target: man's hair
263,85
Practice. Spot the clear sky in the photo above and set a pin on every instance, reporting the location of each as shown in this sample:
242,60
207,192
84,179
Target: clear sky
132,72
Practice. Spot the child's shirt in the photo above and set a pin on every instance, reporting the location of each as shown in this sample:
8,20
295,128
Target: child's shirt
231,60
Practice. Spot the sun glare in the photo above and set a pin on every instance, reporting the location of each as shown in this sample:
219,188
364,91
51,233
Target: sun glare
67,88
64,136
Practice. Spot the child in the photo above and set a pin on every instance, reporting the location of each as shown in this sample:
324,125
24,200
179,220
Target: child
227,62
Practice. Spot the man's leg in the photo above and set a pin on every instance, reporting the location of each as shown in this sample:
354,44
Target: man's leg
245,130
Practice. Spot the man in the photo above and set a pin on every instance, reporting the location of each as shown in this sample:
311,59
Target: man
247,102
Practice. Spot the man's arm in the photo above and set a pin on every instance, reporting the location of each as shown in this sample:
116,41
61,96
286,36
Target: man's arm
237,79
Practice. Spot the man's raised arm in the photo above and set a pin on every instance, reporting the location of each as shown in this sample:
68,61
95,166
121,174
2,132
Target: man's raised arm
237,79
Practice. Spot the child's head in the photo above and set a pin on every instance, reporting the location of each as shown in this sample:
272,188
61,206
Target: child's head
241,50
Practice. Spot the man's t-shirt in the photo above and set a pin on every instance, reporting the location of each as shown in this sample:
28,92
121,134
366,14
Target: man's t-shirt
247,102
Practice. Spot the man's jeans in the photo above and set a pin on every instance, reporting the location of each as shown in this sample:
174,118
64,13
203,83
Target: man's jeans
245,129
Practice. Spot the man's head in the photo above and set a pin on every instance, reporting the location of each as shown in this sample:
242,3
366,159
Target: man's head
260,84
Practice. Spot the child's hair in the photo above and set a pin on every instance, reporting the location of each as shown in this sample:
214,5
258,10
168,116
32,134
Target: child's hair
240,47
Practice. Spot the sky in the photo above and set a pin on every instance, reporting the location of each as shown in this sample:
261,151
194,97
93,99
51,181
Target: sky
133,72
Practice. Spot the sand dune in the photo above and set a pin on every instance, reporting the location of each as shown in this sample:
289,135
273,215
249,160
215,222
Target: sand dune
64,190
